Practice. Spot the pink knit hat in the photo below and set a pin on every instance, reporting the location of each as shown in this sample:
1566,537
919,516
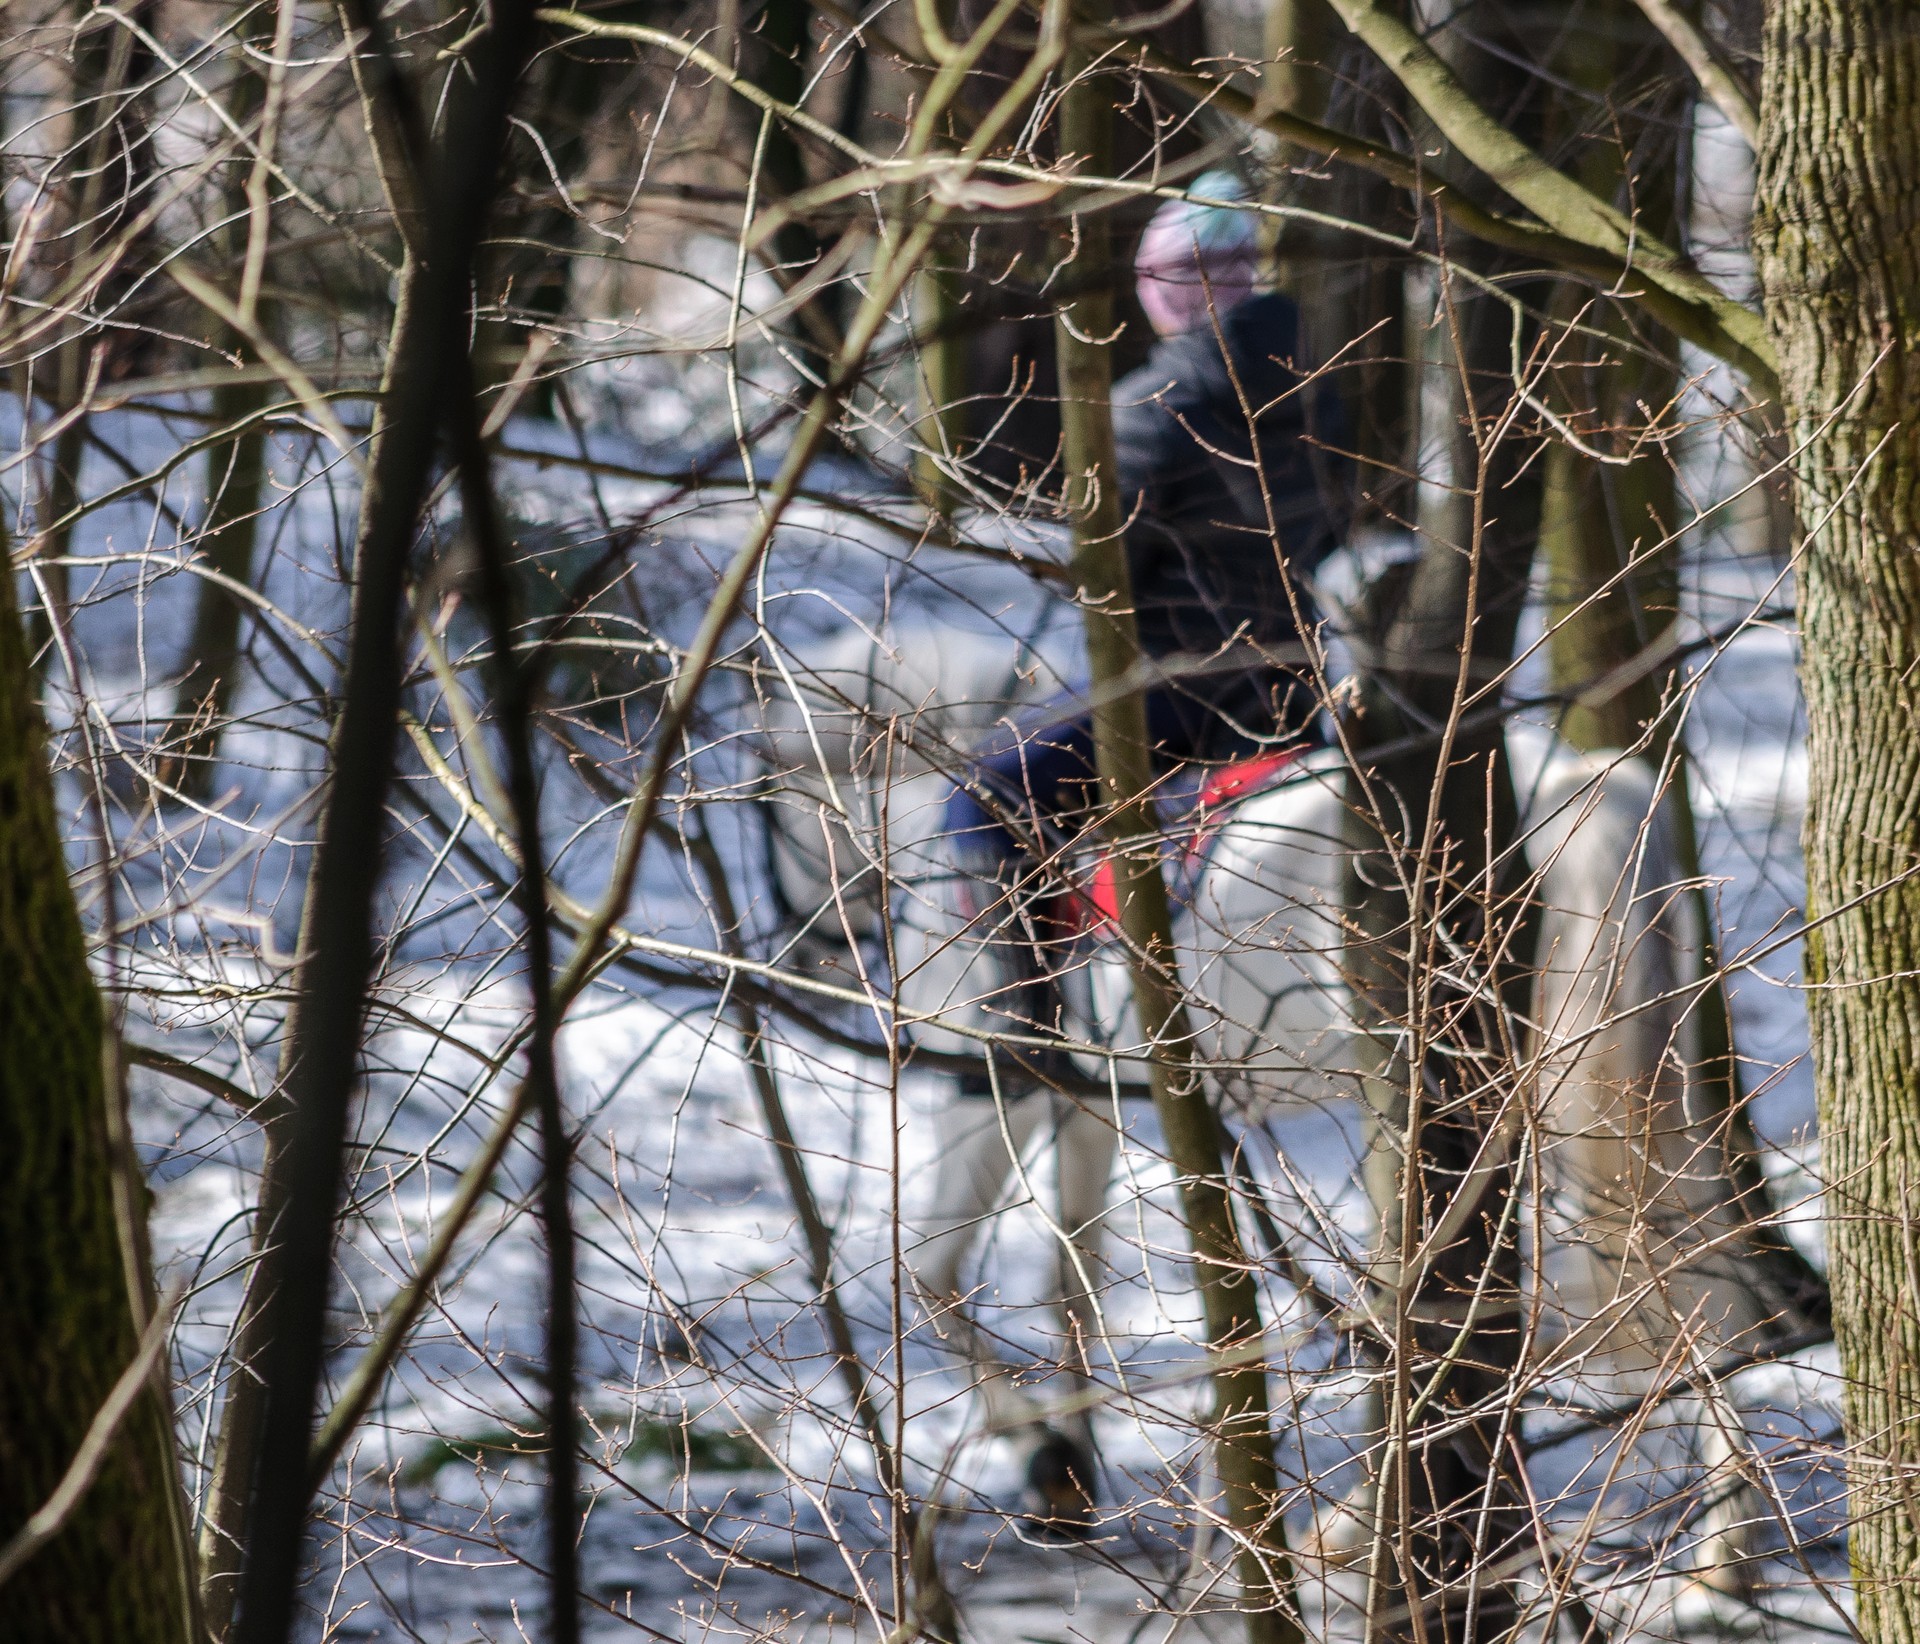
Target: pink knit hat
1197,259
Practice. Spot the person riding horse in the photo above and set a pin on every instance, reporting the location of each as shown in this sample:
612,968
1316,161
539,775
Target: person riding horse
1231,487
1231,495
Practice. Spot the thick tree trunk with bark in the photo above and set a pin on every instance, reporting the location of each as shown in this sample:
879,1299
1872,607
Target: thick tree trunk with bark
118,1570
1838,236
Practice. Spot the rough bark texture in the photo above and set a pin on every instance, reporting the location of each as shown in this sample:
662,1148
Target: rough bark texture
1838,235
67,1322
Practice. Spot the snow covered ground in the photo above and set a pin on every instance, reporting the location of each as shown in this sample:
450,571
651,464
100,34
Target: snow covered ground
730,1497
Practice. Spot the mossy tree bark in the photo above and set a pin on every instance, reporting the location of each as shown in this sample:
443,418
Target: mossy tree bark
1223,1273
1837,232
118,1571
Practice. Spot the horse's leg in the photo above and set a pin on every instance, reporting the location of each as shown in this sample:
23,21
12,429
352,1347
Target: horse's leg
1085,1142
1059,1464
980,1147
1722,1560
970,1173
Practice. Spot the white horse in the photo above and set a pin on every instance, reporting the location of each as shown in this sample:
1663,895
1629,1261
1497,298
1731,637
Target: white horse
1642,1277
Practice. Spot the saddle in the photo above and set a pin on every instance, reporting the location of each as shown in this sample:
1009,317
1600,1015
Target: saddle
1092,907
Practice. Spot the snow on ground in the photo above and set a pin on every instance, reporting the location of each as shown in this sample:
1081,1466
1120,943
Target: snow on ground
731,1497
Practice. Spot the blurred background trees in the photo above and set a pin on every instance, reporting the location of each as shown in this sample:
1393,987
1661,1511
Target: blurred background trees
443,440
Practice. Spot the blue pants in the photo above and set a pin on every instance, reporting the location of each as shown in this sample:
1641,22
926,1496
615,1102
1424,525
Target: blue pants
1038,772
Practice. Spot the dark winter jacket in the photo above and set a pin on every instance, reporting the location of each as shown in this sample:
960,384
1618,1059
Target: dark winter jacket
1205,563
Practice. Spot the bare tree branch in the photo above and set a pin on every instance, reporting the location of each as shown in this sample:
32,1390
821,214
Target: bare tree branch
1559,201
1716,79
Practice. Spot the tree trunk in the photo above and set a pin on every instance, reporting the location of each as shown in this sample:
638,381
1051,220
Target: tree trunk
942,361
525,278
1837,231
236,484
107,172
119,1570
1352,297
1222,1271
1440,970
777,52
320,1060
1613,577
1439,960
223,1521
1304,38
1612,590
